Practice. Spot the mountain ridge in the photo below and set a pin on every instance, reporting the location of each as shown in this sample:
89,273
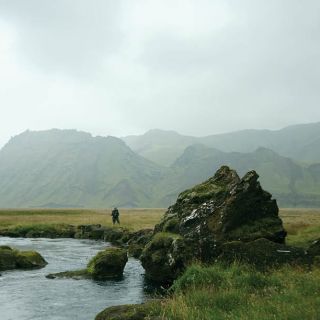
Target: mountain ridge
70,168
300,142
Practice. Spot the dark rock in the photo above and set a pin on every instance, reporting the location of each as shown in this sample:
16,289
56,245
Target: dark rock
128,312
115,235
89,231
98,232
14,259
107,264
263,253
40,231
314,249
165,257
76,275
222,209
136,241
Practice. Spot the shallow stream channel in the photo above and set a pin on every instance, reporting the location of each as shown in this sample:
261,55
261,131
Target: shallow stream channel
28,295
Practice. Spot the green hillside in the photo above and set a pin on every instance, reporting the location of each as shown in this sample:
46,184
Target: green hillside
66,168
160,146
299,142
290,183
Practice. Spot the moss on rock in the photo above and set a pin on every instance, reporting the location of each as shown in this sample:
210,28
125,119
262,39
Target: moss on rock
165,257
109,263
263,253
143,311
40,231
14,259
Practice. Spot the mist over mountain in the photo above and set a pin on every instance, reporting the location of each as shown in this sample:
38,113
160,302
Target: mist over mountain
68,168
300,142
290,183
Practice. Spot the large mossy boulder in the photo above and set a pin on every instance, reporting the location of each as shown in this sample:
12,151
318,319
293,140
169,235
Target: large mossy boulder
263,253
107,264
224,208
14,259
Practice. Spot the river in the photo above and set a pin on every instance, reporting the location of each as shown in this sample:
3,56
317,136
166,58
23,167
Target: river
28,295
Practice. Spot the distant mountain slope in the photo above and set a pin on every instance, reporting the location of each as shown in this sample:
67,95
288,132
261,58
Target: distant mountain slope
290,183
67,168
300,142
71,168
159,146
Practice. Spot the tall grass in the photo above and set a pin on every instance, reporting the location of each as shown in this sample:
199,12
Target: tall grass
240,292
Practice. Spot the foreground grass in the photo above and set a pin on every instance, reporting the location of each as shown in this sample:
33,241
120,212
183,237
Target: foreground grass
240,292
133,219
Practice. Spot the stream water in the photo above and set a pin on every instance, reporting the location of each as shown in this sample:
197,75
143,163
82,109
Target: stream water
28,295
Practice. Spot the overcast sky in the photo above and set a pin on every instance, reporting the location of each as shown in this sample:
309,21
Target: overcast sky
113,67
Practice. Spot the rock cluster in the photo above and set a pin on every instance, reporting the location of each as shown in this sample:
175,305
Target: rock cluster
223,209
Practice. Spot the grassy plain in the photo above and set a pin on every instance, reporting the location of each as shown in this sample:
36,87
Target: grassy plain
303,225
133,219
241,292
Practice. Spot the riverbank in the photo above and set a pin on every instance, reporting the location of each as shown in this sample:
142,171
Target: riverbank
131,219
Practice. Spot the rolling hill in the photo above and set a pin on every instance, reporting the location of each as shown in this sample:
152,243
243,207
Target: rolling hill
68,168
290,183
299,142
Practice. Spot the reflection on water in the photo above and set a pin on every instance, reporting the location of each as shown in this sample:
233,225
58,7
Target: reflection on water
28,295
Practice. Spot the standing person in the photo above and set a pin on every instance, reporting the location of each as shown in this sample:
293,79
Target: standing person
115,215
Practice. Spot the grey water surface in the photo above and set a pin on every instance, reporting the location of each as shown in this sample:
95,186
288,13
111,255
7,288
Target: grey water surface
28,295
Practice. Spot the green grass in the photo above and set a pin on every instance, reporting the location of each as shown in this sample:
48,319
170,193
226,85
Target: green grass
302,225
133,219
240,292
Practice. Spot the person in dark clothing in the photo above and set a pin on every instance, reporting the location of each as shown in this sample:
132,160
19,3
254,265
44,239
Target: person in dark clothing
115,216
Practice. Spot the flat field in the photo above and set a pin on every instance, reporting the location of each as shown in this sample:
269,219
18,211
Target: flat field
133,219
303,225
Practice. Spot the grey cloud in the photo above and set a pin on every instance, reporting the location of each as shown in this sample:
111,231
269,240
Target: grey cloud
65,35
219,66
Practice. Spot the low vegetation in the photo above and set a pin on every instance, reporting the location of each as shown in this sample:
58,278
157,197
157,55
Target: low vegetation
240,292
133,219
